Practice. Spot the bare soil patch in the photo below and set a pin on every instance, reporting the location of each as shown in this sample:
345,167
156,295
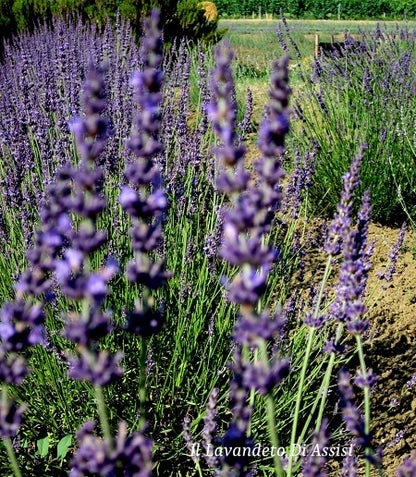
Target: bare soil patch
391,351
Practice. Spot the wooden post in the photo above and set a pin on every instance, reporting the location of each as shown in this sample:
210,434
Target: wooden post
317,45
332,40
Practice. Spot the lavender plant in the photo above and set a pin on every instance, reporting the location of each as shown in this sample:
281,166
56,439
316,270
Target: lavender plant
226,224
358,94
247,219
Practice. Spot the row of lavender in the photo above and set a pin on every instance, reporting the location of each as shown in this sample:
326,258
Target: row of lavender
112,215
362,92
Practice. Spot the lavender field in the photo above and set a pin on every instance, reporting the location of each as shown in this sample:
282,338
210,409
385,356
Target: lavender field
188,278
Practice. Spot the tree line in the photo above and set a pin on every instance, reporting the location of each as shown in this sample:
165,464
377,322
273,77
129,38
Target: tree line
348,9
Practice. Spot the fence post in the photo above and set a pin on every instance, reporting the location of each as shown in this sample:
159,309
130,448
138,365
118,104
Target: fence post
317,45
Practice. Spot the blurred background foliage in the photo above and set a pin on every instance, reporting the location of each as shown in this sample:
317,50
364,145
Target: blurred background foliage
184,18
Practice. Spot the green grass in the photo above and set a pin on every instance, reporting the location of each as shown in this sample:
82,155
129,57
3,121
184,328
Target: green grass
256,43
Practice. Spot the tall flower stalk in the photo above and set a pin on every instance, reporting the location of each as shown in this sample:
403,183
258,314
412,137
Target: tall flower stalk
247,221
78,198
144,198
22,321
348,308
78,282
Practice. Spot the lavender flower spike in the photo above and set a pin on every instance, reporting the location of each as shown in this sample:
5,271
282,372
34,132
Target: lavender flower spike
273,130
246,221
340,224
132,454
348,306
313,464
393,256
72,271
222,114
144,199
352,416
408,467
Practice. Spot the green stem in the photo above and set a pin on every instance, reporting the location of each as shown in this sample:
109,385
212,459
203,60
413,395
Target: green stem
252,396
198,468
311,414
366,399
102,412
305,367
7,442
12,457
273,434
4,400
142,382
325,384
299,398
261,354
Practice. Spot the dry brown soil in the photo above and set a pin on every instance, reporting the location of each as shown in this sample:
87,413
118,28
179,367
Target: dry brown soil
390,347
391,351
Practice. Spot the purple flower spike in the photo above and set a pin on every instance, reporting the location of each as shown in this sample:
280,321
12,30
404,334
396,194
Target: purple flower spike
264,377
408,467
144,142
273,130
251,328
12,368
92,131
348,306
238,249
21,326
144,199
246,220
77,193
236,438
132,454
247,287
222,114
86,331
349,466
99,369
10,418
245,125
353,418
145,321
191,445
313,465
393,256
340,224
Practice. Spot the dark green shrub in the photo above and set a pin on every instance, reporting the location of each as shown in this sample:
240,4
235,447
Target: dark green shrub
188,21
